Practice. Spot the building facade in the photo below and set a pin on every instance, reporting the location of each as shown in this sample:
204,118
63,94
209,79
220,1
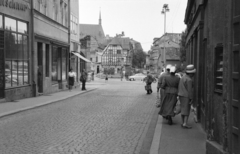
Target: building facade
212,43
74,58
15,50
117,56
51,45
92,37
168,44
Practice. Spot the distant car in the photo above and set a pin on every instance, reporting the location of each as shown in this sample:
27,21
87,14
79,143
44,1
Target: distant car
138,76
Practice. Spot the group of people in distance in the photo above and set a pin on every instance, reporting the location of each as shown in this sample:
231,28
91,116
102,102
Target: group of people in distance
172,88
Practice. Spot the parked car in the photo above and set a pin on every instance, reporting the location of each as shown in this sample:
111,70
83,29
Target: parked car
138,76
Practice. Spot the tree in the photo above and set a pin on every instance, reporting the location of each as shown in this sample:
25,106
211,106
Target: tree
139,59
183,47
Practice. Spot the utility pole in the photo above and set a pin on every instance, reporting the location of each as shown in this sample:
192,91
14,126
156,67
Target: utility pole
165,9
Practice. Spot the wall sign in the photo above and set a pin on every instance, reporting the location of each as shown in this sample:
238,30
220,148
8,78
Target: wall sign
14,5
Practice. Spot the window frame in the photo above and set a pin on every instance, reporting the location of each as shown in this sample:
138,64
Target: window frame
17,60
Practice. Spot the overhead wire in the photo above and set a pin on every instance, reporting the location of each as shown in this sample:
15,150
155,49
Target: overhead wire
176,13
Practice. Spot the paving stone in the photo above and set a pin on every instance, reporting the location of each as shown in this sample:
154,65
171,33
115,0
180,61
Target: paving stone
110,120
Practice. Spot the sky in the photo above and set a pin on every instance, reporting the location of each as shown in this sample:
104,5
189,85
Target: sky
139,19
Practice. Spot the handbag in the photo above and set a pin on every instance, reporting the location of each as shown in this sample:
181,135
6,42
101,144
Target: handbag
177,108
158,101
147,87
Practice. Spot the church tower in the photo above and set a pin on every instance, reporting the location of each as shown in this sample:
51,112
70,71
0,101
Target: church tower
100,19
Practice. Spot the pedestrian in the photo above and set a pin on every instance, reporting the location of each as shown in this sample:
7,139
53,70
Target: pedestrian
92,76
71,79
106,78
160,81
185,93
170,85
83,79
149,80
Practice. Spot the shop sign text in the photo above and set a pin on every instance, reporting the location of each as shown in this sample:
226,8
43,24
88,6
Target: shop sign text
13,5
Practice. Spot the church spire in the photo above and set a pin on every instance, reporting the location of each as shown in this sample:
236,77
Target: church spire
100,19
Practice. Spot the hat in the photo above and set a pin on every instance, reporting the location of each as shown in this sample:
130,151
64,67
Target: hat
190,69
173,69
168,66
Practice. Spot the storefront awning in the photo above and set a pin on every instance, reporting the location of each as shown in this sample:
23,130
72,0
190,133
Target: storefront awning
80,56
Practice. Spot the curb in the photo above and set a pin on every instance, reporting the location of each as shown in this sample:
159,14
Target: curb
148,139
41,105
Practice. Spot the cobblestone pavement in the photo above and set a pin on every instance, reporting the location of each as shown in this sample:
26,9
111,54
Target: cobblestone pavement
111,120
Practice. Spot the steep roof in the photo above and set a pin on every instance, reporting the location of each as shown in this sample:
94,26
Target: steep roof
95,31
124,42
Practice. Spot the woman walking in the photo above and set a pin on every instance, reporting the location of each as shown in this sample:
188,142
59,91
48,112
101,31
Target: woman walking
170,85
185,92
71,78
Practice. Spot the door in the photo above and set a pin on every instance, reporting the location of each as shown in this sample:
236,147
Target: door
97,69
40,67
2,65
235,80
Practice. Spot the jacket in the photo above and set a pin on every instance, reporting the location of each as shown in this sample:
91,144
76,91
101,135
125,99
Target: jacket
170,84
185,87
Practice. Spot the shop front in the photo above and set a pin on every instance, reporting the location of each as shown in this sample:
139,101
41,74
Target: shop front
51,52
15,47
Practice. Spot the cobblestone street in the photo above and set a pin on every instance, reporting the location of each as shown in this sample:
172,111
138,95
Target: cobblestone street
111,120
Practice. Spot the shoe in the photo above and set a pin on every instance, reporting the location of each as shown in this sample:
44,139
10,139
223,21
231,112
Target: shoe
170,120
186,127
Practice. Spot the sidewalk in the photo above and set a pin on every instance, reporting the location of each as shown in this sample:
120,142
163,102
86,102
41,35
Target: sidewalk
8,108
173,139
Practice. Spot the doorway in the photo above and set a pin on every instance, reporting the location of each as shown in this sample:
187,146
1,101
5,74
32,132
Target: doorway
98,69
2,65
40,67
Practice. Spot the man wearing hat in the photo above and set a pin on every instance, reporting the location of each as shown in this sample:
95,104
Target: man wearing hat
160,81
185,93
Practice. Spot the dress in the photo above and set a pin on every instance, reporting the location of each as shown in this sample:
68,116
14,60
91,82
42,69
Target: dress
71,76
170,84
185,92
160,81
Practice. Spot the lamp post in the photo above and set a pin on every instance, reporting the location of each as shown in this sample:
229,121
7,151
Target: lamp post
122,64
165,9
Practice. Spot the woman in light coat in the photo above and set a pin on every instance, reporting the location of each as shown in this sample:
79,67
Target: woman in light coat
185,93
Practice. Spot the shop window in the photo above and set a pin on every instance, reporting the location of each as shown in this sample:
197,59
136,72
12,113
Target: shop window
22,27
16,64
219,69
54,64
64,64
1,22
10,24
59,64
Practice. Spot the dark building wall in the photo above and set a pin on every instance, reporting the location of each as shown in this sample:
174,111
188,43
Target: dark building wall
209,34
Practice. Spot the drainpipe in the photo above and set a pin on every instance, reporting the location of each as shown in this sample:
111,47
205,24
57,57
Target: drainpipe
32,66
69,37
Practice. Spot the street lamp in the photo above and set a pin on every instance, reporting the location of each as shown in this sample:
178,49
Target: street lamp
122,65
165,9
